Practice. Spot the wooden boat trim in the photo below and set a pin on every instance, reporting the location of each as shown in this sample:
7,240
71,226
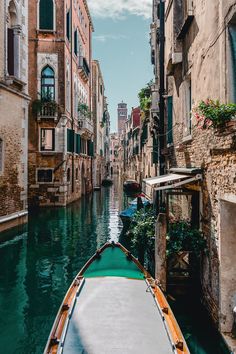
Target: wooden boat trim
61,322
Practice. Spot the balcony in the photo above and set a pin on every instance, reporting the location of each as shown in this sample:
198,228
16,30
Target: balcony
86,126
84,68
45,110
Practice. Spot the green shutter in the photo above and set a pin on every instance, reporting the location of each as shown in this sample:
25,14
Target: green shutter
170,120
155,154
46,15
90,148
75,42
68,25
78,144
70,140
144,135
232,36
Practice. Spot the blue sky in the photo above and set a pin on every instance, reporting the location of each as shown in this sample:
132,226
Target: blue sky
121,44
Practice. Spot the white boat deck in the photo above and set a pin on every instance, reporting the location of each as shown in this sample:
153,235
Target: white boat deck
114,315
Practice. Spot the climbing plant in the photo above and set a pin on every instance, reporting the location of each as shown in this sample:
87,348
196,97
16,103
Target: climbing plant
144,96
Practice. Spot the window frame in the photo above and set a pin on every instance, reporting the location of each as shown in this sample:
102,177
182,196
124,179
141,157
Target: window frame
53,140
54,18
42,169
48,85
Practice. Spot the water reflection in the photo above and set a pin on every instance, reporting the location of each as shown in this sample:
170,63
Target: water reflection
38,265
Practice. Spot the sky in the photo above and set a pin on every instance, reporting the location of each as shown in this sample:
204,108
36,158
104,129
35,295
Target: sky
121,44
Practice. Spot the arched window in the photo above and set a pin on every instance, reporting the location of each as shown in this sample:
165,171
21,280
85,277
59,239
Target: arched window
13,39
48,84
46,15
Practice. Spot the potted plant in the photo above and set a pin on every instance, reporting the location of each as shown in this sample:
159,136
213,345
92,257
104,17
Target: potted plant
213,114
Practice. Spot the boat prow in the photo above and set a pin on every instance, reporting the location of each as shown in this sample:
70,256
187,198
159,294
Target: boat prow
115,306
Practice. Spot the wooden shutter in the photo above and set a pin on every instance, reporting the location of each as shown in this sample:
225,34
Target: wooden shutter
10,51
170,120
46,16
232,36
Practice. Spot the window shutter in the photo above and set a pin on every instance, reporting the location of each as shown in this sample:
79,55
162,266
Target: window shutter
232,36
46,16
75,42
10,51
170,120
155,153
68,25
70,140
78,144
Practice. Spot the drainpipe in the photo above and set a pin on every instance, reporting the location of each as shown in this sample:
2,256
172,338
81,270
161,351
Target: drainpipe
161,93
72,98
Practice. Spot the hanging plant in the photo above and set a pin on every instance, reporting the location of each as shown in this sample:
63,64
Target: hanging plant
45,105
145,100
213,114
83,110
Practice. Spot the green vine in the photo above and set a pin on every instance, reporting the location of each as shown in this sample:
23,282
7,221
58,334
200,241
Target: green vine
144,96
182,237
142,232
214,114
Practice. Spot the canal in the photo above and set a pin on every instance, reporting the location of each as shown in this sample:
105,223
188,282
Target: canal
38,264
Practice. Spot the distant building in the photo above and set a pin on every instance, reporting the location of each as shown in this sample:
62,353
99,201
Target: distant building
122,112
101,121
14,102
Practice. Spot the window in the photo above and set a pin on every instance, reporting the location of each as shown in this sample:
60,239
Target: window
48,83
47,141
232,37
68,29
76,42
170,120
13,41
187,108
45,175
46,15
1,155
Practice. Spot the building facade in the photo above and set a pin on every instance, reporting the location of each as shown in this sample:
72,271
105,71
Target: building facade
101,121
14,101
122,113
116,155
199,65
60,124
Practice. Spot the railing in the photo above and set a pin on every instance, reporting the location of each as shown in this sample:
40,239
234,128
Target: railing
86,124
48,110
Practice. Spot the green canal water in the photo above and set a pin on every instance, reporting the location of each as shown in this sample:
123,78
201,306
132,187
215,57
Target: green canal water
38,264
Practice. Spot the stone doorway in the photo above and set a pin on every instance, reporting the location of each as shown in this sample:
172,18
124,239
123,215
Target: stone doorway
227,264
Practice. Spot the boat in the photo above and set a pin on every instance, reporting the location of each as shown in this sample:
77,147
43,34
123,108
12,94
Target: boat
136,204
107,182
115,306
131,186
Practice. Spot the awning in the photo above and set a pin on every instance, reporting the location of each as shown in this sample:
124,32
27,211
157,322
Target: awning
172,180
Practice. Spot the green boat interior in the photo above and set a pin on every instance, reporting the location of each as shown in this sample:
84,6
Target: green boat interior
115,311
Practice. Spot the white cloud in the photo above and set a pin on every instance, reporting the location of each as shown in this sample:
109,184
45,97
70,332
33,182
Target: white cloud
120,8
104,37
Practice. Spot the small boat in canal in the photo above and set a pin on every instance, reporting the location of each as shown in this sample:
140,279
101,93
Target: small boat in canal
136,204
107,182
131,186
115,306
